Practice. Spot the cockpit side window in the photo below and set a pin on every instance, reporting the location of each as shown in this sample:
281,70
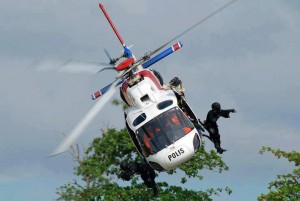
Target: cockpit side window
139,119
145,142
151,137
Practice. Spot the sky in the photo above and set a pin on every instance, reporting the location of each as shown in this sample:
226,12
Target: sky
245,58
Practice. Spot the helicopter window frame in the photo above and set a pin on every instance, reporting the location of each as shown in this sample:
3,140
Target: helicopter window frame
141,118
161,136
164,104
145,150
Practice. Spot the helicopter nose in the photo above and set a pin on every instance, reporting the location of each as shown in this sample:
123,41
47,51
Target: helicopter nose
178,156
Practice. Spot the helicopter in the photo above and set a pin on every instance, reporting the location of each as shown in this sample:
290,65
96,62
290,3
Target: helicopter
161,124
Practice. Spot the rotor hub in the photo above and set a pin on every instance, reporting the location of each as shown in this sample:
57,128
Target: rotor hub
125,64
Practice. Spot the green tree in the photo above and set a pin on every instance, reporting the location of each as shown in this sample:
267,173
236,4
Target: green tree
118,102
286,187
98,172
99,167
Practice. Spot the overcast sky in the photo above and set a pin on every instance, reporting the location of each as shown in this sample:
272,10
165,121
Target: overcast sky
246,57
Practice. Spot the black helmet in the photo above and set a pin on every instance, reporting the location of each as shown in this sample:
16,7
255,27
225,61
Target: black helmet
216,106
175,81
124,166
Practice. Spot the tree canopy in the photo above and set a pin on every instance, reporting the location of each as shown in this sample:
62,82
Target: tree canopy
286,187
99,167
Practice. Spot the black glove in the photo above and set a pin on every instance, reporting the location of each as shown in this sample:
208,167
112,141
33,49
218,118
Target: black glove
233,110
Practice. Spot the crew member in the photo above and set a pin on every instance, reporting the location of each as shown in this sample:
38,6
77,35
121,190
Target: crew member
143,169
211,124
176,84
147,143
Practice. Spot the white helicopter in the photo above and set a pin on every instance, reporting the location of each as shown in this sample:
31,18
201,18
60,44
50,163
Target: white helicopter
161,124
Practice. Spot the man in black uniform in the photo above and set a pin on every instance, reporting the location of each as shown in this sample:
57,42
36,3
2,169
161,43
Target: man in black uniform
176,83
144,169
211,124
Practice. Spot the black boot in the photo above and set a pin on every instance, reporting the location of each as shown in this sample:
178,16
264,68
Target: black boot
218,148
220,151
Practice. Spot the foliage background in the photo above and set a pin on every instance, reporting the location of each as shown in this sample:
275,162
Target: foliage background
98,173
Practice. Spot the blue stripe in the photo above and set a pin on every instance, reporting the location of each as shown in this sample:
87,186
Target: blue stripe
159,56
104,90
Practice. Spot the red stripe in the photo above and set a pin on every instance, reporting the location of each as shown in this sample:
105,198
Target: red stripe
145,73
125,86
96,95
111,24
176,46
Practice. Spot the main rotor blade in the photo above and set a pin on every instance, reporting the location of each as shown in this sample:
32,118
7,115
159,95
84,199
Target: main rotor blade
108,55
85,121
107,68
192,27
70,66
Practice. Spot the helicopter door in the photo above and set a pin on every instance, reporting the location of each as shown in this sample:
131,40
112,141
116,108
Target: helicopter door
186,108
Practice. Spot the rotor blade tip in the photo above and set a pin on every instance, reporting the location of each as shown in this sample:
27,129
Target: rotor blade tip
55,153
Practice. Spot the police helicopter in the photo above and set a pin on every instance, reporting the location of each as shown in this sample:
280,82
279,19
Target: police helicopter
160,122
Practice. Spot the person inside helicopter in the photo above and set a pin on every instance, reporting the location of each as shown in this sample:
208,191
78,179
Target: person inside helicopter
147,143
151,130
210,124
175,123
168,127
176,84
143,169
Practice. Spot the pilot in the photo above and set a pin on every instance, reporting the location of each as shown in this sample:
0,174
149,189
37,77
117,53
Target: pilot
211,124
147,143
175,122
153,130
172,121
143,169
175,119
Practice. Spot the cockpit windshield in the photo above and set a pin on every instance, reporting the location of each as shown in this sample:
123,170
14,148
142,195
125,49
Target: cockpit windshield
163,130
